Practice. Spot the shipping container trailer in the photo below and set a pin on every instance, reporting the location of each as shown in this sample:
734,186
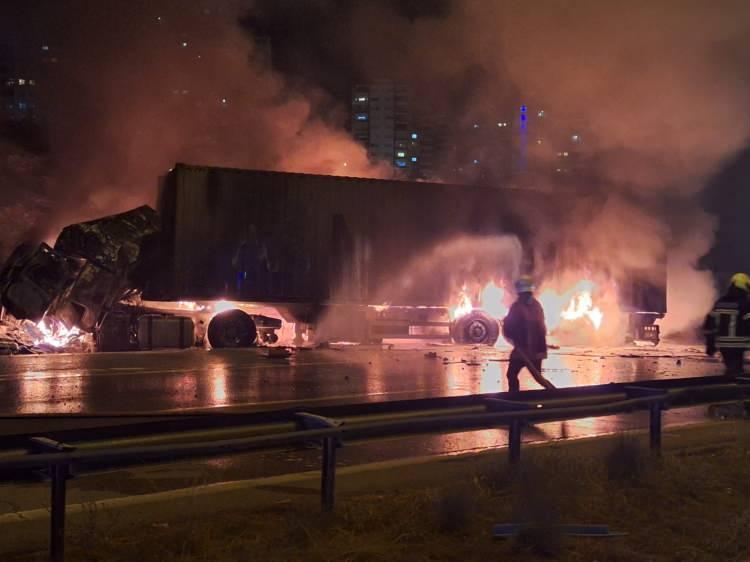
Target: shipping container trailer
320,246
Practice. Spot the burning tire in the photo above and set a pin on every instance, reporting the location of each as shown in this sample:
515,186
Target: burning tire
475,328
232,328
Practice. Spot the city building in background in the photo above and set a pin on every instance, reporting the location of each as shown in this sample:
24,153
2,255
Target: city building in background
506,144
386,120
17,99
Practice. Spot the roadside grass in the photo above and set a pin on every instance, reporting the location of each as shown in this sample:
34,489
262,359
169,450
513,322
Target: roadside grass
688,505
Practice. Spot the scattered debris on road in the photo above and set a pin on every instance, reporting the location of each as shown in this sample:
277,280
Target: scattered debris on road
278,353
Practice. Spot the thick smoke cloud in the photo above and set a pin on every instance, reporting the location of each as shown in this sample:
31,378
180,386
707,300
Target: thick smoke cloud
657,92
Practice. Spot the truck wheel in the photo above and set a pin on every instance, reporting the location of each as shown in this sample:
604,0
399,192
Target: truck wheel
476,328
232,328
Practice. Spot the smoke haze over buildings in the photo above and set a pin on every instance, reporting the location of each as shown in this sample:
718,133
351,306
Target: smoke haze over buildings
656,91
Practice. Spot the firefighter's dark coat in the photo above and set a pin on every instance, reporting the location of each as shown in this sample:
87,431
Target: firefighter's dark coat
727,326
524,327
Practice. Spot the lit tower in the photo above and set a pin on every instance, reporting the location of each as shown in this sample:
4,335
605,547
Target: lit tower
522,138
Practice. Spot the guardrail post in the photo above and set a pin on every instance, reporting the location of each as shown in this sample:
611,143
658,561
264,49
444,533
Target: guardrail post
655,409
514,442
328,470
655,427
328,474
514,427
59,474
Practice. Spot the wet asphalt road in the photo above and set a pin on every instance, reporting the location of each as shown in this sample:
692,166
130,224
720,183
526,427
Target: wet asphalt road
174,381
247,380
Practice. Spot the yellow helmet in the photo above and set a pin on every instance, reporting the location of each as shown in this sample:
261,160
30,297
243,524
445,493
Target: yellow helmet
525,284
741,281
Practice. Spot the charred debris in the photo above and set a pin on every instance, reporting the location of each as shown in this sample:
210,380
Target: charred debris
57,297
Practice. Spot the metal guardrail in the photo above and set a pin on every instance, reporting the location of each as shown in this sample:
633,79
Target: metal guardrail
174,423
59,460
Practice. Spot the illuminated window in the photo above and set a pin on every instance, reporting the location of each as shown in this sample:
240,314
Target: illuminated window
476,125
414,136
401,163
21,81
575,138
541,113
361,117
476,161
401,154
360,98
523,109
413,158
184,44
32,82
45,47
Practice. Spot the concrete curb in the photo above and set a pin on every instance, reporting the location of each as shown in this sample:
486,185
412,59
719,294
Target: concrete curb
29,530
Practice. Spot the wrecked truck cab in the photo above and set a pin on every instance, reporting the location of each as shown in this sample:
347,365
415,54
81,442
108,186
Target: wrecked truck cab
83,276
114,243
34,277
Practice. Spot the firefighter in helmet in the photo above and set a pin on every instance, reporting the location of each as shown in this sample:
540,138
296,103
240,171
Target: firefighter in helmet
525,328
727,326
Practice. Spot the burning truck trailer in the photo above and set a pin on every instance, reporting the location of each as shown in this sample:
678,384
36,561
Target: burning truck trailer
233,252
363,259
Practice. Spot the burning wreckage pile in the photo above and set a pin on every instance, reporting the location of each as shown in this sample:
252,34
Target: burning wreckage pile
46,336
54,297
85,293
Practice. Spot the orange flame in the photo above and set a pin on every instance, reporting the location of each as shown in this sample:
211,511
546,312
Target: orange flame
582,306
492,301
574,304
55,333
463,307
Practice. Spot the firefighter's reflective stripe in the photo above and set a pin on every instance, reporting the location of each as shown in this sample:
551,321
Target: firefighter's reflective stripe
728,315
725,328
734,342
